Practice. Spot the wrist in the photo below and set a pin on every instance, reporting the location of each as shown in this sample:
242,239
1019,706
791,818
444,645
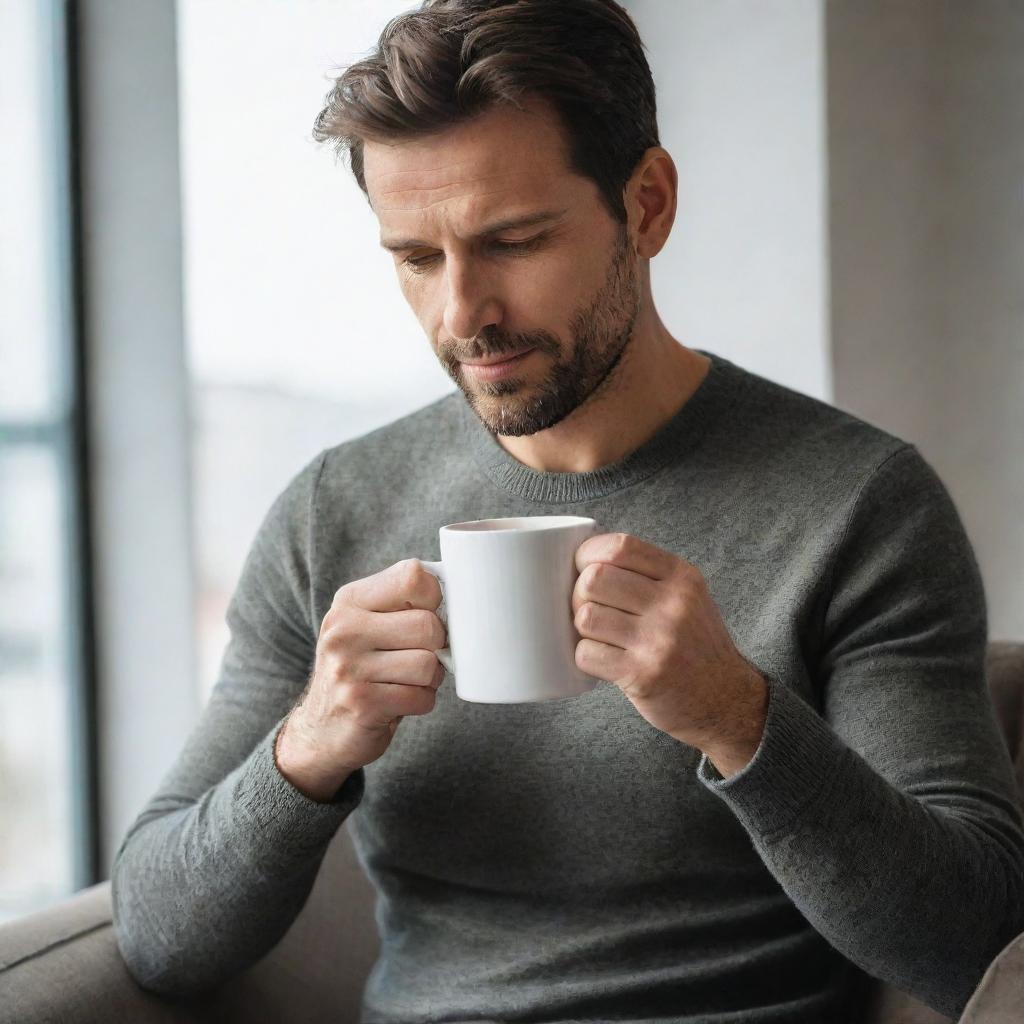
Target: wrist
740,741
297,761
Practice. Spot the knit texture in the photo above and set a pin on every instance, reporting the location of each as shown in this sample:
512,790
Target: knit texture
567,860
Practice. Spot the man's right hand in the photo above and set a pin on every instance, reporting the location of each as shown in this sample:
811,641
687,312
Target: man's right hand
375,663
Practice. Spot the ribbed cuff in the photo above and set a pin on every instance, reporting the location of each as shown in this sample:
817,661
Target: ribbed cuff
286,817
798,755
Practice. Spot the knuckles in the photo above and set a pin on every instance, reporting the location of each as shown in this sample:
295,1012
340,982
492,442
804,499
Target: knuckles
337,635
410,573
584,616
424,623
422,586
586,580
426,664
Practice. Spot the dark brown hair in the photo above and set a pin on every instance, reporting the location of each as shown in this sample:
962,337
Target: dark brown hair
449,60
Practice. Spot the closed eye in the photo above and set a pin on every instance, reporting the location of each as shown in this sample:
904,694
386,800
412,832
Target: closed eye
516,248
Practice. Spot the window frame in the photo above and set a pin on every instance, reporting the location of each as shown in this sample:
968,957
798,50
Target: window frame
63,433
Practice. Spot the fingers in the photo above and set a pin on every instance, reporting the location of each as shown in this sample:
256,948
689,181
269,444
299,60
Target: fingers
412,668
405,584
353,630
375,704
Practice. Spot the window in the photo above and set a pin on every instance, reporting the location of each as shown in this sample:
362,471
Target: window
298,335
47,824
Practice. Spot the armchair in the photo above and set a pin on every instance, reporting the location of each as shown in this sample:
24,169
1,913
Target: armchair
63,965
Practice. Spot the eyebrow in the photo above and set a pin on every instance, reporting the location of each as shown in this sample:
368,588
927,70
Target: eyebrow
528,220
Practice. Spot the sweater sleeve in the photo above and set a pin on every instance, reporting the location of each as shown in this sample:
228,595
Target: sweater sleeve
221,859
890,815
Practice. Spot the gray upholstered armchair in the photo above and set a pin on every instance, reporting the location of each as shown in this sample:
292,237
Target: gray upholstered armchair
63,964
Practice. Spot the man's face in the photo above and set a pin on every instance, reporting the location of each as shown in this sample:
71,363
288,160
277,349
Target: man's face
567,285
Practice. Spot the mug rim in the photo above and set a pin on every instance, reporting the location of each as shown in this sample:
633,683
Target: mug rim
474,525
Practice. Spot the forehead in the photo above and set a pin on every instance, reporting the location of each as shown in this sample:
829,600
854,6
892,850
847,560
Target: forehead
503,161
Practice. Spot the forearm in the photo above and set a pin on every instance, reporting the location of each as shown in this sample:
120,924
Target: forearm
919,895
205,889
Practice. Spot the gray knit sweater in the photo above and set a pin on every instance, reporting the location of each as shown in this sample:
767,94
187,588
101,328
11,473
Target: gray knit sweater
567,860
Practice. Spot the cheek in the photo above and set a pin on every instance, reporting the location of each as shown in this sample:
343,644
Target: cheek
420,301
547,292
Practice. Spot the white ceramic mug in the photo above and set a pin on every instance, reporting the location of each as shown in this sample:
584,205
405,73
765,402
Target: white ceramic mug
508,587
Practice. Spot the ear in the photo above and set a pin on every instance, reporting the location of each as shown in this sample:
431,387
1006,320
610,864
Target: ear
650,199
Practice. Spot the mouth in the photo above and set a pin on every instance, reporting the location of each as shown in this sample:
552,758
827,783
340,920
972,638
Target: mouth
496,368
496,359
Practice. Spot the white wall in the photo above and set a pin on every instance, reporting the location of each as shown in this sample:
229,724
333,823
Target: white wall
926,115
740,90
851,224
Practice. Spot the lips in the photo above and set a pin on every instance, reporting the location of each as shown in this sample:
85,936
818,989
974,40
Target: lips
491,360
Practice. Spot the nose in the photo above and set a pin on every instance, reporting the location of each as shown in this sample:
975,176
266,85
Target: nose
471,303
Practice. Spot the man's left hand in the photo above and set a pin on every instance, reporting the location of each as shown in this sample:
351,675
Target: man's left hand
649,625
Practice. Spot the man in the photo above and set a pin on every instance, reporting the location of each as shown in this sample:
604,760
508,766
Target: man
794,778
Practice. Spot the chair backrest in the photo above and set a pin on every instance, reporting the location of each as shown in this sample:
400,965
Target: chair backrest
334,942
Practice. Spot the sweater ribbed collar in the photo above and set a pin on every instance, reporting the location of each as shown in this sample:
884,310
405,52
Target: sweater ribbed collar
712,399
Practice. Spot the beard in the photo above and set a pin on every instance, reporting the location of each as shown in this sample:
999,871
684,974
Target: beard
600,333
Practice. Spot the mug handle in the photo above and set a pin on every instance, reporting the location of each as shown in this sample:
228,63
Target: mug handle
444,655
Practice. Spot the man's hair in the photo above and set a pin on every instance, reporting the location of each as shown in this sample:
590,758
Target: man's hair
447,61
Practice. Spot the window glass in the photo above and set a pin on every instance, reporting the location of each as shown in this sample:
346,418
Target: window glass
36,842
43,824
29,316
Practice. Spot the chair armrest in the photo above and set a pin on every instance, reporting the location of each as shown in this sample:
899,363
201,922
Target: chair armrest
999,997
887,1004
63,964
